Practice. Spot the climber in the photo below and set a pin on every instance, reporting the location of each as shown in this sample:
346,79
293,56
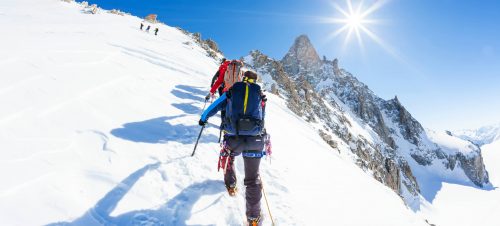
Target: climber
229,73
244,134
216,75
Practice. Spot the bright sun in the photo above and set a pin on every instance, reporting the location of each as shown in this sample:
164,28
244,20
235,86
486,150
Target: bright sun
355,21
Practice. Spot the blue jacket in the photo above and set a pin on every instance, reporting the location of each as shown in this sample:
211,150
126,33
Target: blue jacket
216,106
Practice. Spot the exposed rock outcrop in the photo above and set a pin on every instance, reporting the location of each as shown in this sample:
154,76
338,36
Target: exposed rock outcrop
305,101
302,58
208,45
474,168
333,100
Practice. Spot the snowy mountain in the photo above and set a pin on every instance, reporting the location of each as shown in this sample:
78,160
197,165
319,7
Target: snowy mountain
481,136
380,135
98,120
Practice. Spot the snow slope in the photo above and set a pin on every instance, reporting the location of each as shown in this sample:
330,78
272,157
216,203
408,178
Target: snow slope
98,119
464,205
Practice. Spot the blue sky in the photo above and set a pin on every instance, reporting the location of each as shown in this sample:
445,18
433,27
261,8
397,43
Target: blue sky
444,63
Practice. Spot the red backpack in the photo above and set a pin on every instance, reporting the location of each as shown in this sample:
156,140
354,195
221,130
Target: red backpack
233,74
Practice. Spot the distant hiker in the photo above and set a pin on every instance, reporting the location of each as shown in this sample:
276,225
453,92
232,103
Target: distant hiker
156,31
245,134
147,29
142,25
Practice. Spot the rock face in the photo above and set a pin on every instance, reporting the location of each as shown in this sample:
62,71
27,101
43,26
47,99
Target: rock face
209,45
151,18
474,168
302,58
380,135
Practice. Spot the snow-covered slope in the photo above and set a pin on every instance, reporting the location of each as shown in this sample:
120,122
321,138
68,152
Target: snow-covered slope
462,205
455,204
481,136
97,120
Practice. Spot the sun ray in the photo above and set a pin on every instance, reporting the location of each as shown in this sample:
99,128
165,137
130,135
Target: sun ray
346,14
369,21
385,46
349,5
360,7
360,40
374,7
348,36
342,29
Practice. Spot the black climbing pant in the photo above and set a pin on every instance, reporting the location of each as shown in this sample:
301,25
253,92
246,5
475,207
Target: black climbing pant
253,193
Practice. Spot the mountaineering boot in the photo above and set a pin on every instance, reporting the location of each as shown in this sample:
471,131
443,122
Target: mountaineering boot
254,221
232,190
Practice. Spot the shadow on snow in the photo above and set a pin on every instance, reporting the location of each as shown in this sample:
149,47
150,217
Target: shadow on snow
188,108
159,130
431,185
189,93
192,89
188,96
174,212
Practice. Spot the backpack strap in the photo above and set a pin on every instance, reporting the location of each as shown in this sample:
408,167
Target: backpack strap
247,81
246,99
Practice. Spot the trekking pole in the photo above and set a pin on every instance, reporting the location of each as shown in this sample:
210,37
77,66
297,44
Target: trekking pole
203,127
265,198
196,145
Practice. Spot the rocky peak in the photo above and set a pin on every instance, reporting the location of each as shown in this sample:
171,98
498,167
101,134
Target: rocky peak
396,100
301,56
336,69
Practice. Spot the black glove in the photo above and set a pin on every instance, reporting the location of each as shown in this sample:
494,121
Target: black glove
208,97
202,123
264,98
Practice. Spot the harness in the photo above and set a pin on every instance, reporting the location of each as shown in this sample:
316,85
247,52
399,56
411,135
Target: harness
226,155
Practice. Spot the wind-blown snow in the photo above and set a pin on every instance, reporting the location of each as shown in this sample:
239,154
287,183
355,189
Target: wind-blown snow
98,120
